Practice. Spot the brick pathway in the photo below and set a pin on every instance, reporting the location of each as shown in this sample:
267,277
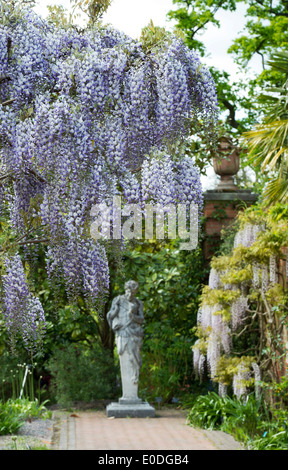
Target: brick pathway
92,430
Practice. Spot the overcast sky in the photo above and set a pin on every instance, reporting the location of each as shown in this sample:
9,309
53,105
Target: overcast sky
130,16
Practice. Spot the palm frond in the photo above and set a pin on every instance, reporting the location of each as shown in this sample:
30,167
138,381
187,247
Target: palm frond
268,144
279,61
277,190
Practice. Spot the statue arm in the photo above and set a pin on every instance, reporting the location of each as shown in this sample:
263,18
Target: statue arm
139,317
113,312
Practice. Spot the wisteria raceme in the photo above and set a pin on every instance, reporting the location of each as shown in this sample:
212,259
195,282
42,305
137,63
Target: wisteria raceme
221,329
240,380
158,182
222,389
257,378
84,266
188,185
214,279
247,236
199,361
23,311
238,309
205,316
226,337
273,269
196,358
256,271
201,365
213,353
264,278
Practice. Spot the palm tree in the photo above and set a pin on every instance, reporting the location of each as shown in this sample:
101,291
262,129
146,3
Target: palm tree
268,142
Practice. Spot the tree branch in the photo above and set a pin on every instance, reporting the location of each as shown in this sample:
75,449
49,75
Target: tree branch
35,240
231,118
6,103
3,177
137,170
40,178
202,25
3,79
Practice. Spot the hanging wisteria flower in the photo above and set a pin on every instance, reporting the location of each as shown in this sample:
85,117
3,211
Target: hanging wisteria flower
214,279
222,389
88,115
257,378
240,380
273,269
23,311
247,235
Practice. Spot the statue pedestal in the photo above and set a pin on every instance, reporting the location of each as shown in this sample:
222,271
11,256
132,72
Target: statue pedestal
132,409
126,318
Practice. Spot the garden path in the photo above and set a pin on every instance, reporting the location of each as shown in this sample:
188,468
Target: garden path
92,430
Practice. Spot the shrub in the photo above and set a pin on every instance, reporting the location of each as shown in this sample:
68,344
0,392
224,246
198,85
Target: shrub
81,374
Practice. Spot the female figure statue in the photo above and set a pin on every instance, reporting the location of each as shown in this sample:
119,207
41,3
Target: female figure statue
126,318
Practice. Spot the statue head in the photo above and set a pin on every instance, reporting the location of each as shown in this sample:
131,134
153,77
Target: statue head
131,287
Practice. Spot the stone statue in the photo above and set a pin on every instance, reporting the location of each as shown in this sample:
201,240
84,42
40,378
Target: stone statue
126,318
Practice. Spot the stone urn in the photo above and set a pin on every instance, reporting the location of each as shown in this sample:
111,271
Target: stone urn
226,164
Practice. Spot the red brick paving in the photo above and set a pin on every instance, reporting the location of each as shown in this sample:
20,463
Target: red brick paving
92,430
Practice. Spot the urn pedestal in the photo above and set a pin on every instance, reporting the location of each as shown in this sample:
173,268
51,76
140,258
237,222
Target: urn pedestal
223,203
226,164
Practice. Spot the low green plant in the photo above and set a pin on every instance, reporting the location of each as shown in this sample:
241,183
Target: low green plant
13,413
248,420
9,420
27,409
207,411
270,441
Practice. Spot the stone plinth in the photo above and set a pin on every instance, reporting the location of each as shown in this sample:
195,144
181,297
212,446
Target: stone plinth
124,409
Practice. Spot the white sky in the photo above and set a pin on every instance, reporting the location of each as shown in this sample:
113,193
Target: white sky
130,16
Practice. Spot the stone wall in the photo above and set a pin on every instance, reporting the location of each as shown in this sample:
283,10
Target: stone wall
220,210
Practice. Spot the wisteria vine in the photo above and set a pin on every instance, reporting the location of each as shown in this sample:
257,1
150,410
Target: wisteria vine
242,289
86,115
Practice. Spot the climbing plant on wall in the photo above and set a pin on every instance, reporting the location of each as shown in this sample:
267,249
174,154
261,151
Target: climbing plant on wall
242,319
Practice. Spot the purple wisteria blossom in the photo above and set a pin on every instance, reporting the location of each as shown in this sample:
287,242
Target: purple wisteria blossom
23,312
87,115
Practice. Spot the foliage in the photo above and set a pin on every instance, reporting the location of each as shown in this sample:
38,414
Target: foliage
81,374
9,420
244,419
265,29
267,142
264,34
94,9
212,411
272,441
194,17
13,413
